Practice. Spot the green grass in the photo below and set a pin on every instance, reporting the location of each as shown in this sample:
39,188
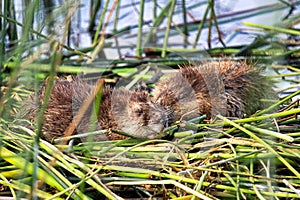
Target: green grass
249,158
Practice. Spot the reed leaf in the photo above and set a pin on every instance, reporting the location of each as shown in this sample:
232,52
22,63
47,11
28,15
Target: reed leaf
255,157
284,161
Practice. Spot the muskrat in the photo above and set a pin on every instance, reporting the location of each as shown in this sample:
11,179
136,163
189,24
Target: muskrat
229,88
132,112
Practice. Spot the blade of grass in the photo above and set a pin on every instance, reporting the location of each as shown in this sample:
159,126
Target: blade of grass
253,183
214,17
284,161
185,28
116,20
275,29
28,167
166,39
140,29
68,164
100,25
99,43
70,188
26,188
277,104
268,132
93,13
40,118
269,116
201,25
200,183
2,47
154,32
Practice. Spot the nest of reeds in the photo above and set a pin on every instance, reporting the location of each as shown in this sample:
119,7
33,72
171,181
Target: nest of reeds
256,157
251,157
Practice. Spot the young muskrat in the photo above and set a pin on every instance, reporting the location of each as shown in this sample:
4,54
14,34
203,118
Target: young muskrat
130,111
229,88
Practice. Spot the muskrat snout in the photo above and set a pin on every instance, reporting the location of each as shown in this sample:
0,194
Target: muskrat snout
137,115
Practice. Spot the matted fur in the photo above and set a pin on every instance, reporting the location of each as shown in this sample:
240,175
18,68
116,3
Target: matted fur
229,88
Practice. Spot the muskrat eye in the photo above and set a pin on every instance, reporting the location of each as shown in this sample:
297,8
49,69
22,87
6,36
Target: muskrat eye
138,112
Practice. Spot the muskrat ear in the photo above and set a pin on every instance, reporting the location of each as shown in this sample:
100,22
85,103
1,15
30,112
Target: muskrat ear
138,109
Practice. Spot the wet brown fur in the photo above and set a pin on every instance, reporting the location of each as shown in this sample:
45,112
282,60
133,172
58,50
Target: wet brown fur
120,109
229,88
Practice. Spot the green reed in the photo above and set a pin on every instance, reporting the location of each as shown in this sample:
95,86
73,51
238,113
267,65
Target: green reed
253,157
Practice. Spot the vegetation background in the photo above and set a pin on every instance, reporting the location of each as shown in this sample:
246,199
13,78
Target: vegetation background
251,158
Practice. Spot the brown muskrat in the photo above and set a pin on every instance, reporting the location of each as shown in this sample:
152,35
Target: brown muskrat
129,111
229,88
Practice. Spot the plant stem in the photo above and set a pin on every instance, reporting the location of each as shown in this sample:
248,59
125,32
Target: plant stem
140,30
185,28
100,25
200,27
163,53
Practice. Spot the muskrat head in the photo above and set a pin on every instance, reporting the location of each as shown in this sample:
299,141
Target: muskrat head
137,115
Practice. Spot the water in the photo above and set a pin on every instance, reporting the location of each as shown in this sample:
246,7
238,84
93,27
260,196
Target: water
233,31
231,15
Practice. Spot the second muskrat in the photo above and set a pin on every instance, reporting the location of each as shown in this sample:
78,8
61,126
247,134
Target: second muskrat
132,112
229,88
